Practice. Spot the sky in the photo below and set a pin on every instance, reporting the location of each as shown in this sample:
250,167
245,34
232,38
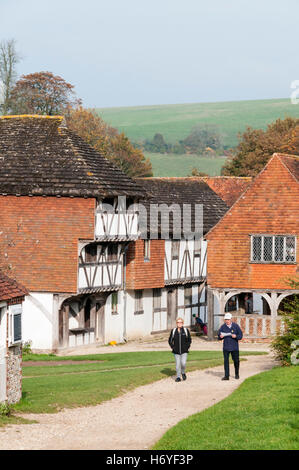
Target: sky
148,52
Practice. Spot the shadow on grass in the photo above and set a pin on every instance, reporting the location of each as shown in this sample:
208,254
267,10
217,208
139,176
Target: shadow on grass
168,372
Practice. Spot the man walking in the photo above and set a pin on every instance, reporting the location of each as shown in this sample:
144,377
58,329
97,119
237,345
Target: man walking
231,334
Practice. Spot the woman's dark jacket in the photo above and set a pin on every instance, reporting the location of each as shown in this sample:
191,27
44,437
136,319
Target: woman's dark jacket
179,341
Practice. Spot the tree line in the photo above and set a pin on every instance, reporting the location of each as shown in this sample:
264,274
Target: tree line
202,140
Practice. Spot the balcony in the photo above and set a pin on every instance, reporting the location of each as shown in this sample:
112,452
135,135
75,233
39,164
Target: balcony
100,267
116,219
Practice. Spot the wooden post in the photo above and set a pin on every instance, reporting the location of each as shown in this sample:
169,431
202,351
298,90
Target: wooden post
210,301
66,325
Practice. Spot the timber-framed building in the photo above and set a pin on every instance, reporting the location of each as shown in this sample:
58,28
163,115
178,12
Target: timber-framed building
253,252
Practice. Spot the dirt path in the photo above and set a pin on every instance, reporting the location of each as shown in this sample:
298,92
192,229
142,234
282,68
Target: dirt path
135,420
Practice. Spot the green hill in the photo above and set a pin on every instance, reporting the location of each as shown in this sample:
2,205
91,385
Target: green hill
176,120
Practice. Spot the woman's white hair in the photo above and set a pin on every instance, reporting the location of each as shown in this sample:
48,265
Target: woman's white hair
180,318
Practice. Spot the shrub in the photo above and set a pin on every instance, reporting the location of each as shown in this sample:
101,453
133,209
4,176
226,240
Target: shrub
282,344
5,409
26,347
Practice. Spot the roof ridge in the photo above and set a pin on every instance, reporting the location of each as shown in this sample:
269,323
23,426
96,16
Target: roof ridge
36,116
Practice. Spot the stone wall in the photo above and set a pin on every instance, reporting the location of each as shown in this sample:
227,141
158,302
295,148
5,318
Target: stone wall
14,374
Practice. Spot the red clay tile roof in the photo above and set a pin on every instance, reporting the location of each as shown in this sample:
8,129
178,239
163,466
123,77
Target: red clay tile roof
10,289
40,157
291,162
229,188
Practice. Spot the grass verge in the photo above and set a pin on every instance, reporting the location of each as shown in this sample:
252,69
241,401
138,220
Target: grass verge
49,388
262,414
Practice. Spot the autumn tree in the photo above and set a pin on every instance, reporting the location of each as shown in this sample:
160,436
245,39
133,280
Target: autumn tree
8,74
256,147
109,142
42,93
197,172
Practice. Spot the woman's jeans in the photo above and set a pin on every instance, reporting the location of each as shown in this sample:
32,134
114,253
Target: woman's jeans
180,363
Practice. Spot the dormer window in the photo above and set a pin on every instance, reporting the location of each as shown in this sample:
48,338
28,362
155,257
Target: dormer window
273,249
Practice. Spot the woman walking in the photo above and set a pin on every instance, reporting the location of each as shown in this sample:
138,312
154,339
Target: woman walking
179,341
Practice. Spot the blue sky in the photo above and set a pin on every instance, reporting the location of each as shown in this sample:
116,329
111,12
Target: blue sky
142,52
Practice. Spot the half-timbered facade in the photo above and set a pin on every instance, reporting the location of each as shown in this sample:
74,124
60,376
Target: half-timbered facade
253,251
184,260
66,218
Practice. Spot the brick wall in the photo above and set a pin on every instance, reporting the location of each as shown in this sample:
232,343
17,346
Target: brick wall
270,205
39,239
141,274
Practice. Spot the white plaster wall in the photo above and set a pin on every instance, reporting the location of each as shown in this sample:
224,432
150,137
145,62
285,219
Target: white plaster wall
37,320
3,324
257,303
139,325
114,323
217,320
160,318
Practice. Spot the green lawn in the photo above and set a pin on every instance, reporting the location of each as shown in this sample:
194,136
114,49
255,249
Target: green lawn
176,120
262,414
49,388
182,165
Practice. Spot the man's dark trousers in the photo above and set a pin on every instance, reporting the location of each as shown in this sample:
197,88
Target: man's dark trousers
235,356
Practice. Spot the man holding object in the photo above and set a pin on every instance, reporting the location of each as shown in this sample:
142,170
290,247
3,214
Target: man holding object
231,334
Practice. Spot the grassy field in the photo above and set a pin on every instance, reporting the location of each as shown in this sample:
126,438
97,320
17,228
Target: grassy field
182,165
49,387
262,414
176,120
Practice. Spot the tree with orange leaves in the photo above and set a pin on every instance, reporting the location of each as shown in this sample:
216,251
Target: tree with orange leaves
109,142
42,93
256,147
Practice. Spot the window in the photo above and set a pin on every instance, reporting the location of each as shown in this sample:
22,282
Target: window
114,302
147,250
91,253
273,249
157,299
175,246
15,324
197,248
112,252
108,205
138,302
188,296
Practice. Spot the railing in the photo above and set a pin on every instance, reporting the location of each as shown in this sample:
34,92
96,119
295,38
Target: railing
254,325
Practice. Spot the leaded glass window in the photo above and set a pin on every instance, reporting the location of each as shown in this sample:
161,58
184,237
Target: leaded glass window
273,248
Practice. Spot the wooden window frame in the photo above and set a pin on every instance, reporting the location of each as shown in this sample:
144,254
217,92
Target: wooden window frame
138,310
114,304
13,312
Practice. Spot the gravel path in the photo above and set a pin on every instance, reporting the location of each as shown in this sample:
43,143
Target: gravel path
135,420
